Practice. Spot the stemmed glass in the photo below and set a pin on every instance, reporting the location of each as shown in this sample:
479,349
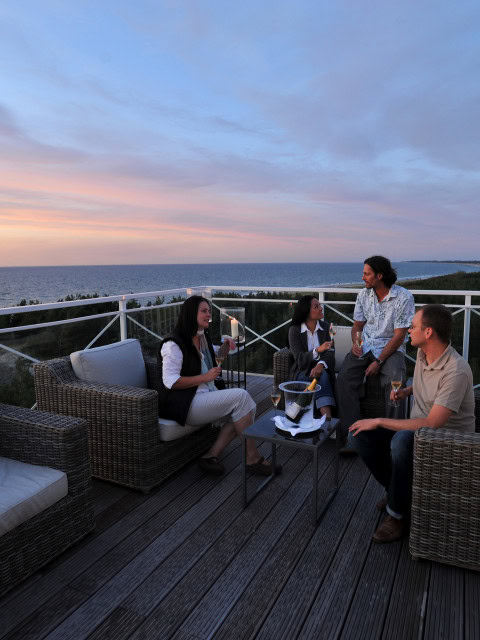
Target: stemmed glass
359,342
275,395
332,331
396,381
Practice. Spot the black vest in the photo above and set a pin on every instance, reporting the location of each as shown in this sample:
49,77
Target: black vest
175,403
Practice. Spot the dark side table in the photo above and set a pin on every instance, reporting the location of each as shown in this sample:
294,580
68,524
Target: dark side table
264,429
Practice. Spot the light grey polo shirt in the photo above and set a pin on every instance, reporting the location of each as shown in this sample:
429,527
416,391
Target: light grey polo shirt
448,382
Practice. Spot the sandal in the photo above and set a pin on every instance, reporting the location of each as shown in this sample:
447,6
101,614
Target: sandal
263,469
211,465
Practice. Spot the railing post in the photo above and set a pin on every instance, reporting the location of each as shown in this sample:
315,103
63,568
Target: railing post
466,326
122,307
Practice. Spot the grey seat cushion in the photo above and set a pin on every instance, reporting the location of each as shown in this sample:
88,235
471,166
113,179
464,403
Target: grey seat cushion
26,490
119,363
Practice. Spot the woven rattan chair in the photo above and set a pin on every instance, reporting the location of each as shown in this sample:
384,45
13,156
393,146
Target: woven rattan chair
123,434
446,496
53,441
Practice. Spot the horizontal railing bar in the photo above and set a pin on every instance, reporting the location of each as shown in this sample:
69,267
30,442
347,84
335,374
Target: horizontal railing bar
78,303
42,325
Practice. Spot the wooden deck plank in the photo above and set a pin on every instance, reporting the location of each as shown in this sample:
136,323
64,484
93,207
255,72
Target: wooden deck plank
202,555
472,609
444,618
232,578
108,597
408,597
187,561
255,604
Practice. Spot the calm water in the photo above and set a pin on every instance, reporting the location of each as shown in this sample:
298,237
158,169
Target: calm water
49,284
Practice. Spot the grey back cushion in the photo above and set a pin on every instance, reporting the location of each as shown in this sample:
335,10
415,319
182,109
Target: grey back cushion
118,363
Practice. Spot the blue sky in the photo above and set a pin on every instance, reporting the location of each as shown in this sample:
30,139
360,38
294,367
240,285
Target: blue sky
149,132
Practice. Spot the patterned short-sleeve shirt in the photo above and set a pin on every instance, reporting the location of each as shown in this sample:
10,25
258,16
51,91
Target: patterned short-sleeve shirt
395,311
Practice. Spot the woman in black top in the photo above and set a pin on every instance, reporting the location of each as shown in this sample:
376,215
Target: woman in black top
187,391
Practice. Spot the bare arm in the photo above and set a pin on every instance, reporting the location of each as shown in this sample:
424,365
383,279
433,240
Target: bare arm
436,419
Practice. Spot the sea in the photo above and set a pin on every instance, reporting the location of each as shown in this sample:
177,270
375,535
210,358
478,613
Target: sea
51,284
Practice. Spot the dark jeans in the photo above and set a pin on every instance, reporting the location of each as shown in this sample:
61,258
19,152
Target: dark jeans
389,456
349,387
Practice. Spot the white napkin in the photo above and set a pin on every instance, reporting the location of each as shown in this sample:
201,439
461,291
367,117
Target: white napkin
285,425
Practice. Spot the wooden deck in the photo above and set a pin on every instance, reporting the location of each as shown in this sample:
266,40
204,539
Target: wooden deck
188,562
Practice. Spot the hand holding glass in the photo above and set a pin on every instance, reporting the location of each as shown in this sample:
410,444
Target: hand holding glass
332,331
359,342
396,382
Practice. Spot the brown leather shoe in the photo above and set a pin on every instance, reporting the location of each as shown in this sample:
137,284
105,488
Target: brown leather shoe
382,504
390,530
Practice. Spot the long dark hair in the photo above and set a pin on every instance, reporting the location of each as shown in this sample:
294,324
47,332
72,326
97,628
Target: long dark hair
187,325
302,310
382,265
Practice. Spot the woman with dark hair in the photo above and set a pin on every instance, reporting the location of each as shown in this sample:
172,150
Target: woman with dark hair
312,351
187,392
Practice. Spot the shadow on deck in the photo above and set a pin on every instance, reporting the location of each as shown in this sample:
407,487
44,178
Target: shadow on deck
187,562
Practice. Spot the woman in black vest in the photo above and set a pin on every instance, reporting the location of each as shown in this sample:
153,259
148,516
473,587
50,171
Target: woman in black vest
188,394
308,340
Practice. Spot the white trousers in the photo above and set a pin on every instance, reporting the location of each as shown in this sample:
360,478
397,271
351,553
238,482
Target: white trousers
228,405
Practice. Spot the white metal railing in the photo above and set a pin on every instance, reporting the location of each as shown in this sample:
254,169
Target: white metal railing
123,315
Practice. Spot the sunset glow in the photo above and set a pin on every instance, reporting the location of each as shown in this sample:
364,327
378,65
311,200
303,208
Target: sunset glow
215,132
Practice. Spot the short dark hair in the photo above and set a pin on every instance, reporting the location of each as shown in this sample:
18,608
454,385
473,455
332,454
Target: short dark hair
382,265
438,318
302,310
187,325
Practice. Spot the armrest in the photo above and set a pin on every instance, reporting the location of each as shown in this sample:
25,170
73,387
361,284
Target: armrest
46,439
446,461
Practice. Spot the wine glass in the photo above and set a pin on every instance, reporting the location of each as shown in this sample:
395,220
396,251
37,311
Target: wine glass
396,382
275,395
219,358
359,342
332,331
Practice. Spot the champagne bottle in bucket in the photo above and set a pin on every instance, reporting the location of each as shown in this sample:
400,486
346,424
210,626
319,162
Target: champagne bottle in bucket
295,410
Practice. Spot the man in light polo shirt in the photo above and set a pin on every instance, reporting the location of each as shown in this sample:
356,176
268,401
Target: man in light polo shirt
443,393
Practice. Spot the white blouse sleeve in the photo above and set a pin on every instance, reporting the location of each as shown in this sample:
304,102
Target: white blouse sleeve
172,358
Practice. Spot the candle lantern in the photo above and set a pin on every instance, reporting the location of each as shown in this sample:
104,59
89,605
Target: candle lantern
232,323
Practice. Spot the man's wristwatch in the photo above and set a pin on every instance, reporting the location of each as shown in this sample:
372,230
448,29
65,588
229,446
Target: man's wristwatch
380,362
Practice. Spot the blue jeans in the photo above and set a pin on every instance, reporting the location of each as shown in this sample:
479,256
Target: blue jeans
324,397
389,456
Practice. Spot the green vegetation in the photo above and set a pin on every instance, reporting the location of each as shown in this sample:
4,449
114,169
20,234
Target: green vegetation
16,383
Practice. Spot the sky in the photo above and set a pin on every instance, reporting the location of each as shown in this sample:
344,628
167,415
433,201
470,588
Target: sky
213,131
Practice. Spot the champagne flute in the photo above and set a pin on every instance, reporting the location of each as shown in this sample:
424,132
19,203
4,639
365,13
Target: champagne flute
219,358
275,395
396,382
332,331
359,342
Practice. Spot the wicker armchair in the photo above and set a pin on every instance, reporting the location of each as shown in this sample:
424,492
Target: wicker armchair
123,434
446,496
54,441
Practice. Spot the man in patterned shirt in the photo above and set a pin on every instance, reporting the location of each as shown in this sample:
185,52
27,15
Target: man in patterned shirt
383,311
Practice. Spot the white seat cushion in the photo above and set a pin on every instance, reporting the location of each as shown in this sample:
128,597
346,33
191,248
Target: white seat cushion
170,430
26,490
119,363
